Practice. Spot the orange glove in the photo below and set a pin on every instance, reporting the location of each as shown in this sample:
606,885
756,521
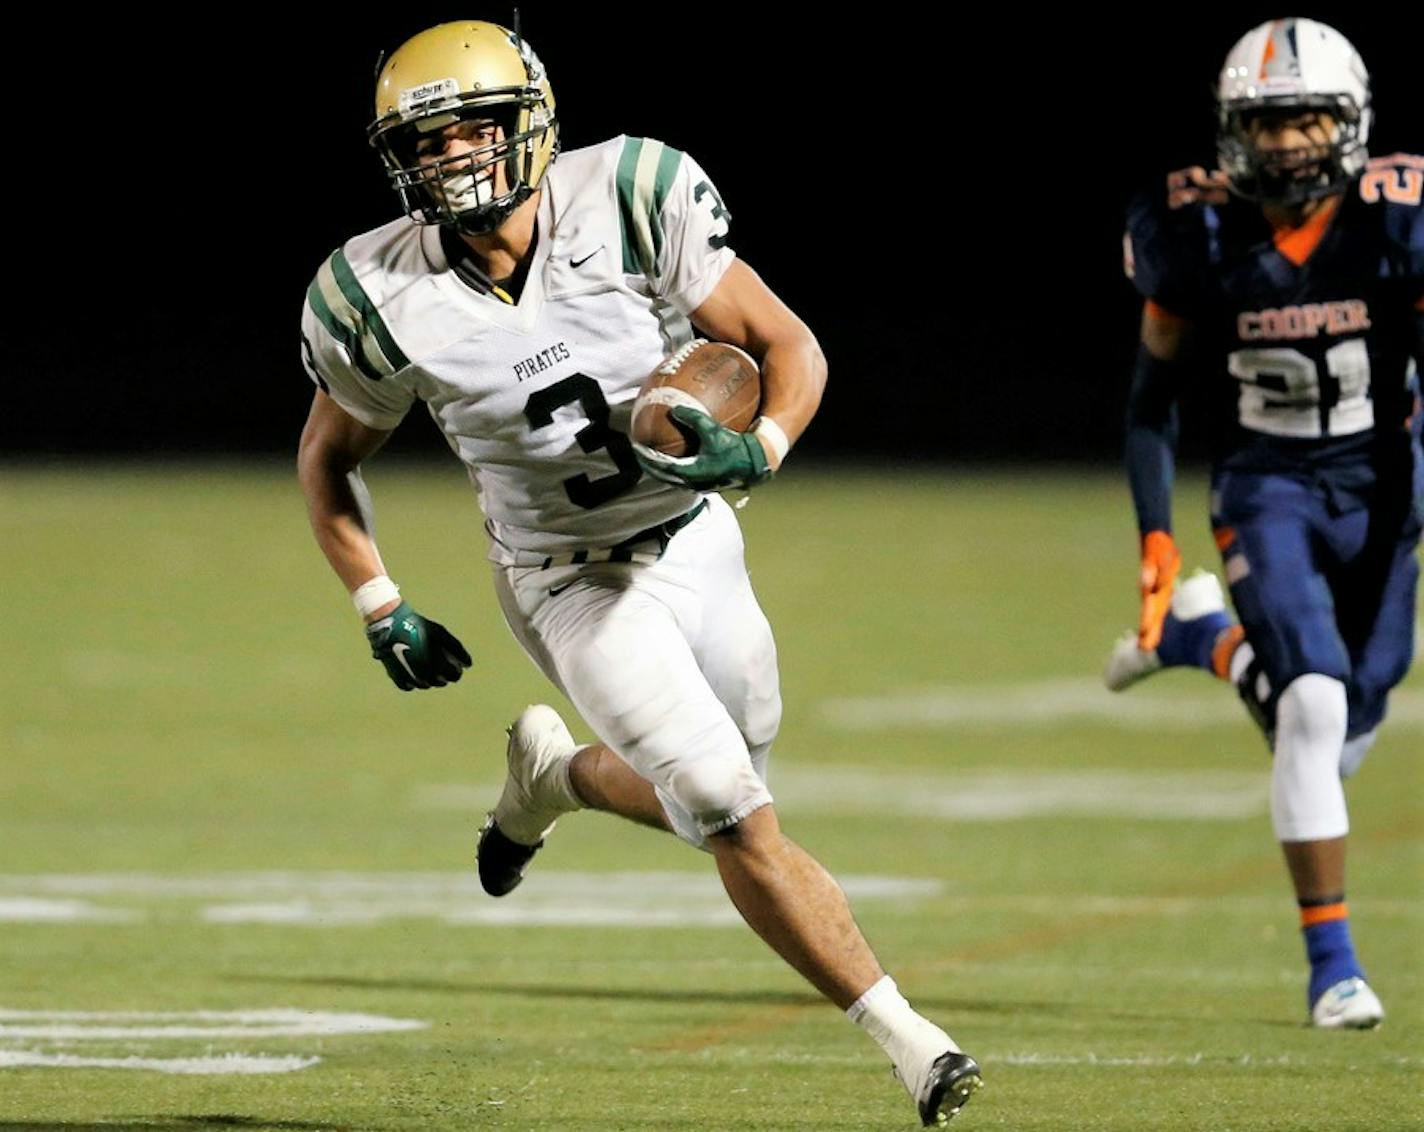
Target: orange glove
1160,566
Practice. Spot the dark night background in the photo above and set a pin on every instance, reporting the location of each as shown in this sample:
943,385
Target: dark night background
939,196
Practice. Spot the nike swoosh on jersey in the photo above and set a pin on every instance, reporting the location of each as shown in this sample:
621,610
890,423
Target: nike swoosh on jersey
554,591
580,262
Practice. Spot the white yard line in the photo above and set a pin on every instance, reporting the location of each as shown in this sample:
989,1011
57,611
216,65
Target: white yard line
33,910
978,795
225,1064
1174,701
85,1025
1186,1061
1025,1060
646,900
1006,795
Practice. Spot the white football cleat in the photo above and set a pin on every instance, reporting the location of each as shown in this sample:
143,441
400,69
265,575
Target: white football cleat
536,791
1197,596
941,1086
1348,1005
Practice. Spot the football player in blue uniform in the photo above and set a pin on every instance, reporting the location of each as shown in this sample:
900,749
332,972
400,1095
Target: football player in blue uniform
1292,280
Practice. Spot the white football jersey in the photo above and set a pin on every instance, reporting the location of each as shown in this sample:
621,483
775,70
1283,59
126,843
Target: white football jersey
534,397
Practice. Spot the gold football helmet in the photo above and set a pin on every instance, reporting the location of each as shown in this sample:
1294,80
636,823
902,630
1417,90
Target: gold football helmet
470,71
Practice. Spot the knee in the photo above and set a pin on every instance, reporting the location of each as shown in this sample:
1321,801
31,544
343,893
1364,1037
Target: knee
763,720
718,792
1307,802
1311,719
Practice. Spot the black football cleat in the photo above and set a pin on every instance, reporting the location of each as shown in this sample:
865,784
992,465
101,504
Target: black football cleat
501,861
953,1079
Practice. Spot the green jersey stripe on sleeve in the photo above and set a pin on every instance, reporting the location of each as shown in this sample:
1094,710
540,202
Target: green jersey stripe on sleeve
341,331
371,324
645,174
627,167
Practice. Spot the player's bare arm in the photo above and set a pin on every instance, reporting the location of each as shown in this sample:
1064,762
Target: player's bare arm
332,448
415,651
744,311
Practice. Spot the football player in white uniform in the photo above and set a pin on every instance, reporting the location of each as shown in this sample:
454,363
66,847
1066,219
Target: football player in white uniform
525,301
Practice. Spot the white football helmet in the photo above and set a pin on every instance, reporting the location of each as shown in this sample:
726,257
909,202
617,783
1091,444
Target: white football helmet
1283,69
458,72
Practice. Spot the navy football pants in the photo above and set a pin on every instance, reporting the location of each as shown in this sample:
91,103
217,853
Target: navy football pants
1323,580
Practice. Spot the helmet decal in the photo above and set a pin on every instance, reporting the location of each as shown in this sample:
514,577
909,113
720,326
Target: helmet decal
1302,77
428,96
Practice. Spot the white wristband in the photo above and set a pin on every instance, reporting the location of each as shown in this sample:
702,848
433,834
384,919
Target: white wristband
768,430
370,596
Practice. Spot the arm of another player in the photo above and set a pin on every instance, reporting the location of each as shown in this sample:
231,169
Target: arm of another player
744,311
416,652
1150,454
1418,418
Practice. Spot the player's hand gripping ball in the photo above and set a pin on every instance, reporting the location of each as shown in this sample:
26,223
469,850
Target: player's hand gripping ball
689,419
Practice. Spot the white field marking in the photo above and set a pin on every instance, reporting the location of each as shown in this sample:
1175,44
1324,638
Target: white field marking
84,1025
1005,795
344,897
1194,703
1170,906
336,899
1190,1060
1053,1060
34,910
983,795
225,1064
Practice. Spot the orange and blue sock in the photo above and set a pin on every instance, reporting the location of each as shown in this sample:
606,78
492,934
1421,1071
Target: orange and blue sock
1326,926
1192,642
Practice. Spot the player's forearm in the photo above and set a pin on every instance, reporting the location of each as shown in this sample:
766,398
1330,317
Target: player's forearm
1419,340
1150,448
793,379
339,517
1150,475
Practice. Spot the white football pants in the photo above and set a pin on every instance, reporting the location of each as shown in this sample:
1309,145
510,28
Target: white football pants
671,663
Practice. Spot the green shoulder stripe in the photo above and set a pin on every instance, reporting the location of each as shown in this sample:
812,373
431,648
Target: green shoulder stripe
645,174
346,310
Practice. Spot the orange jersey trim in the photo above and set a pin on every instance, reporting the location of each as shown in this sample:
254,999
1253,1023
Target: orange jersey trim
1154,309
1309,917
1297,244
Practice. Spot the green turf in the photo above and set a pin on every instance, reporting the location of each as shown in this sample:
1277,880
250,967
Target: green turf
187,694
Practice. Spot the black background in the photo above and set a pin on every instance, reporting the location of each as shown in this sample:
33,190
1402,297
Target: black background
939,195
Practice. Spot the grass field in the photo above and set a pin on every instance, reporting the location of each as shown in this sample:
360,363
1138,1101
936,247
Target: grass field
227,843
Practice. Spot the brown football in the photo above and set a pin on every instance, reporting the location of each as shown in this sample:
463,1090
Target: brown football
720,379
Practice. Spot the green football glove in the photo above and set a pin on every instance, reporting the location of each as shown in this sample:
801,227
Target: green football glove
722,456
417,653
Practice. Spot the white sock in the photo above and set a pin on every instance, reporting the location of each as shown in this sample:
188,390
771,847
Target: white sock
1307,799
561,784
912,1041
1243,656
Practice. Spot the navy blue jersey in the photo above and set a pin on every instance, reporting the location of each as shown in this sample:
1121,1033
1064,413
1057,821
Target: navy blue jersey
1306,340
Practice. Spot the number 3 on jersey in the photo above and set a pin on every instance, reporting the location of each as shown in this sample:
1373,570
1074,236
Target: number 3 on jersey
577,389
